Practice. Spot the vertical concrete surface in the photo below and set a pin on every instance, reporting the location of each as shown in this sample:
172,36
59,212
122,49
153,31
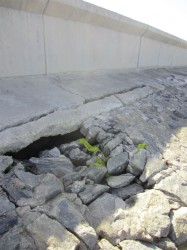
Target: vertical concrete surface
21,43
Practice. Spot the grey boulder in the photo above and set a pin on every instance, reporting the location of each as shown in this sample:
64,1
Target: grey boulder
137,163
128,191
118,164
58,166
120,180
48,233
5,163
95,173
67,215
91,192
78,157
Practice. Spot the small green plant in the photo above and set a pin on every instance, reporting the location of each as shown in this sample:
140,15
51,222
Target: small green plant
143,145
89,147
99,162
107,175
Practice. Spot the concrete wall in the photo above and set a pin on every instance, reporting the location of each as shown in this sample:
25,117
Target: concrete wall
53,36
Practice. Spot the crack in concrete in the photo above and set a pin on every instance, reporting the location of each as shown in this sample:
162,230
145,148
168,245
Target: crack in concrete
35,118
116,93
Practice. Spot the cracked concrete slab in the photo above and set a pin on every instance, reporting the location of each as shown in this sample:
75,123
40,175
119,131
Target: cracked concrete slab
60,122
40,106
28,98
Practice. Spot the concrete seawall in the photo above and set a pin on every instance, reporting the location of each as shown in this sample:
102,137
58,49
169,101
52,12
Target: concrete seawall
54,36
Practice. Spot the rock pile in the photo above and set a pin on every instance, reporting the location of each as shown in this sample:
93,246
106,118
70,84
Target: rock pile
124,188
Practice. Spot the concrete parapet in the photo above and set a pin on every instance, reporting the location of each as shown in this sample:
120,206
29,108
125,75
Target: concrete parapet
36,6
53,36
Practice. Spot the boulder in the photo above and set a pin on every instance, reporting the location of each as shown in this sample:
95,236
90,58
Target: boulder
117,164
94,173
11,239
166,244
5,163
134,245
67,147
127,191
78,157
103,211
106,245
111,145
58,166
152,167
54,152
137,163
48,234
65,212
91,192
175,185
120,180
179,226
49,187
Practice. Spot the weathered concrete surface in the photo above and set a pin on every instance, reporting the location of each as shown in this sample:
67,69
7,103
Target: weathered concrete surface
57,104
54,36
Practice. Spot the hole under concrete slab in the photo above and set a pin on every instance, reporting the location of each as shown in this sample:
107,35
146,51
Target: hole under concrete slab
44,143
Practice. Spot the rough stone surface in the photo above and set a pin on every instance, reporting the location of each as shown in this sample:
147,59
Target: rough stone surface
134,245
128,191
78,157
57,166
166,244
174,184
179,226
137,163
117,164
49,187
120,181
66,214
67,147
48,233
5,163
50,153
106,245
153,166
94,173
91,192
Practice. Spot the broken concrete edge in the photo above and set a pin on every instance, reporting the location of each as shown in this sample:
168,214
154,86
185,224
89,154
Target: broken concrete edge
77,10
57,123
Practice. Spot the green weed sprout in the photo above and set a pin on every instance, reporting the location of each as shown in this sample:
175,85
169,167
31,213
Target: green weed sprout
89,147
143,145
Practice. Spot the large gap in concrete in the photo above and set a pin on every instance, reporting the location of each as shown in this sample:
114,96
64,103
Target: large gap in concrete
44,143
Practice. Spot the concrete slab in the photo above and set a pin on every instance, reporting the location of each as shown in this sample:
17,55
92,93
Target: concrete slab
60,122
135,95
92,86
41,106
29,98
